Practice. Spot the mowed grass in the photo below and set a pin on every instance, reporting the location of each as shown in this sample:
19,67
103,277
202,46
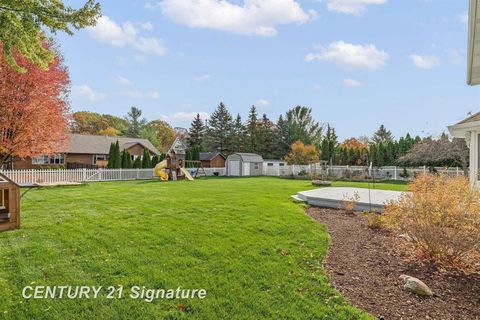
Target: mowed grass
243,240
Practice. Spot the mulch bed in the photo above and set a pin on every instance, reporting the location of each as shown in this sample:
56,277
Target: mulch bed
364,267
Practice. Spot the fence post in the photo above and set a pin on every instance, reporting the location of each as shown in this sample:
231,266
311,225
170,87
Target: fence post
138,173
424,169
395,173
84,176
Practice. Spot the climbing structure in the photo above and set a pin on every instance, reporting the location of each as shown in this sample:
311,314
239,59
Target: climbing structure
9,204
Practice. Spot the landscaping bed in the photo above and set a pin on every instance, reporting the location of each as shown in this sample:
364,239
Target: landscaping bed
366,271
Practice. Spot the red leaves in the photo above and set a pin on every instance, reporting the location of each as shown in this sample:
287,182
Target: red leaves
33,108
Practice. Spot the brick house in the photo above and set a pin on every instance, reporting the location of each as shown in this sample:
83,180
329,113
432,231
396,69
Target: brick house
87,151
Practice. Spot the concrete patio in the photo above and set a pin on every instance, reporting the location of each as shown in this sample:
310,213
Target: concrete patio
335,198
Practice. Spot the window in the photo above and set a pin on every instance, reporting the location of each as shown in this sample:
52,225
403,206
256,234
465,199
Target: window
270,164
256,166
281,164
55,159
101,157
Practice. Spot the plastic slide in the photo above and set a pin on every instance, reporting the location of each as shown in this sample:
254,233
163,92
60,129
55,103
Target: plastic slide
159,170
187,174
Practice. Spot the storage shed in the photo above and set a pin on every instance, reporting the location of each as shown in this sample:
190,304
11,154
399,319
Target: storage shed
212,159
244,165
9,204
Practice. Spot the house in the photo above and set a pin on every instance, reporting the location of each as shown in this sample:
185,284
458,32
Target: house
212,159
87,151
469,129
244,164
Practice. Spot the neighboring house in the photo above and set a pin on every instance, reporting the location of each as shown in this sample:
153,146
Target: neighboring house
469,129
87,151
244,164
212,159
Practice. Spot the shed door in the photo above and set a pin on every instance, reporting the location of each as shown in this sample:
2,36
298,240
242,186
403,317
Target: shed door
246,168
234,168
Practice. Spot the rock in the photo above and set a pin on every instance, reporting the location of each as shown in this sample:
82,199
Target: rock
322,183
416,286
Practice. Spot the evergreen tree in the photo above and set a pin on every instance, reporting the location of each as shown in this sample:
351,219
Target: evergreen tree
126,160
382,135
252,132
135,122
137,164
238,135
155,161
196,132
146,159
283,138
220,128
329,145
111,156
267,136
117,156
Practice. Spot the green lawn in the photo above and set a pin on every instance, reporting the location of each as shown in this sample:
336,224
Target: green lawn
243,240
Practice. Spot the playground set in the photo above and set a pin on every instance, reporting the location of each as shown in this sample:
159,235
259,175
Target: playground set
174,166
9,204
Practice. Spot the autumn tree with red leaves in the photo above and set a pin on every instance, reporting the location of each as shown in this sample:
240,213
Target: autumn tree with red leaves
33,108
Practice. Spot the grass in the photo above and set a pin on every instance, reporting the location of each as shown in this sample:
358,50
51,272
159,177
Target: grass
243,240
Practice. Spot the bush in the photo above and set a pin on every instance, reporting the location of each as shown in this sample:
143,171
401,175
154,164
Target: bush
374,219
441,215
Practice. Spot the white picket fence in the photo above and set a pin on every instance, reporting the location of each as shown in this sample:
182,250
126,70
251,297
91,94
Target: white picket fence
53,176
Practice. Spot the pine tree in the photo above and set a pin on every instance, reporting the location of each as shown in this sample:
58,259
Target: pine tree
238,135
283,138
124,159
382,135
196,132
251,133
220,128
117,156
267,138
135,122
155,161
111,157
146,160
129,160
329,145
137,164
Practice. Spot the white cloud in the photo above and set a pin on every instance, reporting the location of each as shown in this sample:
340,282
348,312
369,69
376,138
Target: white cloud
262,103
350,55
124,81
202,77
425,62
351,6
184,116
147,26
136,94
86,92
126,35
352,83
253,17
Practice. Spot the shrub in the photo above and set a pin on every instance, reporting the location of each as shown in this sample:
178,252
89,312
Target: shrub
348,203
374,219
441,215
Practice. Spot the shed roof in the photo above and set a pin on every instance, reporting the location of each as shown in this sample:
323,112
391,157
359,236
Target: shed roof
91,144
206,156
250,157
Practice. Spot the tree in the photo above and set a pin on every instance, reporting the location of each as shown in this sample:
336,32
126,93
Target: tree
23,25
382,135
283,137
33,107
137,164
443,151
267,133
111,132
219,128
302,154
86,122
114,156
251,135
135,122
300,125
165,135
196,132
238,135
126,159
146,159
149,132
111,156
329,145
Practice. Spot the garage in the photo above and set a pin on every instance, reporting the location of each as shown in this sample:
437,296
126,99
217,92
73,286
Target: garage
244,165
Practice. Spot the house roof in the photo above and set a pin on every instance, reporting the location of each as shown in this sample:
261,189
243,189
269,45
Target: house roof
250,157
206,156
90,144
472,118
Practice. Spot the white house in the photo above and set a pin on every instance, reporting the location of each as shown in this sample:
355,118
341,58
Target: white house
469,129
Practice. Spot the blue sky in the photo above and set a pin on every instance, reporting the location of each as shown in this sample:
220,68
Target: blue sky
357,63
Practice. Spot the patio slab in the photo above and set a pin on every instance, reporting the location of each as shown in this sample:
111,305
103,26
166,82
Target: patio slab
335,197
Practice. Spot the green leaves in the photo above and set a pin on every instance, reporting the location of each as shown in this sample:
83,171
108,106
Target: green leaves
24,23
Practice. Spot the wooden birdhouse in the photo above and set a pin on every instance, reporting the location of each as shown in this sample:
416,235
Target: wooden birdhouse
9,204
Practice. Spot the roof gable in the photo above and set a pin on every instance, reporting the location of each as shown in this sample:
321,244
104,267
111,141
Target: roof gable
207,156
91,144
